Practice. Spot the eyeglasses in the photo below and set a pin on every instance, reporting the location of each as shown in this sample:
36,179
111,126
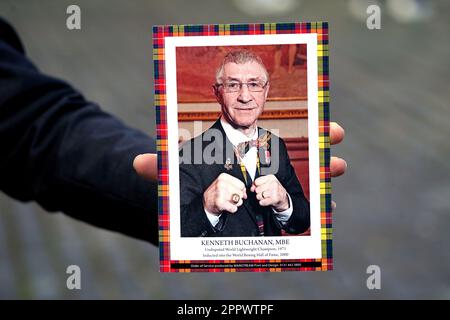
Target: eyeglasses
236,86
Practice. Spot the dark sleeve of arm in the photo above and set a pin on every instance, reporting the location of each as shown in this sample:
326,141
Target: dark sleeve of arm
300,219
65,153
194,222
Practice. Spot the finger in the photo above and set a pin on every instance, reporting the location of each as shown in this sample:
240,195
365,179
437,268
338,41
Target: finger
337,166
233,180
227,188
229,207
229,192
266,202
240,203
264,179
333,206
146,165
337,133
265,187
266,193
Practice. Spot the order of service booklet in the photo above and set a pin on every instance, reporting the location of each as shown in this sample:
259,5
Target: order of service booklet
243,147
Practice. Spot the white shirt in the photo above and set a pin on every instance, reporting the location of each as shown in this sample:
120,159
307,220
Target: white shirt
235,136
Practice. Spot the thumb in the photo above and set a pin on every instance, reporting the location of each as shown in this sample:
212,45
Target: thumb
146,166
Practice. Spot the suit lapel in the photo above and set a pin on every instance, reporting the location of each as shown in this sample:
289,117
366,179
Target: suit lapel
230,163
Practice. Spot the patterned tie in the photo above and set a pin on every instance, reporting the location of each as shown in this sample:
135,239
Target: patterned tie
245,146
241,149
256,206
253,202
260,222
262,142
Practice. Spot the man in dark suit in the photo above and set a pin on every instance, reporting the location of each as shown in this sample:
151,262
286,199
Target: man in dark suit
242,183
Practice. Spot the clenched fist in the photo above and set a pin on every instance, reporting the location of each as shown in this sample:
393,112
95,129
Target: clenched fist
270,192
221,194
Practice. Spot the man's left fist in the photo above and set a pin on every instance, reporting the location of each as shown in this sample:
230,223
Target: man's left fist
270,192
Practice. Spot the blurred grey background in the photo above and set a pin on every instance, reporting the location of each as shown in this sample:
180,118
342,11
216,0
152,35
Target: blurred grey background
389,89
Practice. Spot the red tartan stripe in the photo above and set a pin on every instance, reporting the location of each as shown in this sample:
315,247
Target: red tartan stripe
160,32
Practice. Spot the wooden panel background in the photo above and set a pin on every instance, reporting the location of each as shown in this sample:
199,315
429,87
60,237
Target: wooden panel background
298,153
196,70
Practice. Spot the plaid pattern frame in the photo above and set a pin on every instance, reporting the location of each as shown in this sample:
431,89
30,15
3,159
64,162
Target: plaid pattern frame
168,265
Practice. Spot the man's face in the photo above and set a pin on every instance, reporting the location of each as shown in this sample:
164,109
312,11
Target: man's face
243,107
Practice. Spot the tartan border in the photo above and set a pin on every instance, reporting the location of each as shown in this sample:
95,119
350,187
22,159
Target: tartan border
159,34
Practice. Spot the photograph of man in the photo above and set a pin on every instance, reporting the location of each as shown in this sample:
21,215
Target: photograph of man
236,179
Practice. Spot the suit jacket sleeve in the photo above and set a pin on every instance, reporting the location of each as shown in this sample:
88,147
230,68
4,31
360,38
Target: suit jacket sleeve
194,222
300,218
65,153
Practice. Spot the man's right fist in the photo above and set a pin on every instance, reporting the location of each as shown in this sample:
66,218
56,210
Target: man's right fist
226,193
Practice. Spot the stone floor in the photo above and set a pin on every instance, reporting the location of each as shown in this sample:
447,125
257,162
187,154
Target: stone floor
389,89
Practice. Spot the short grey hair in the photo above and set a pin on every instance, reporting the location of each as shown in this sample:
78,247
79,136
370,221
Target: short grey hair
240,57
